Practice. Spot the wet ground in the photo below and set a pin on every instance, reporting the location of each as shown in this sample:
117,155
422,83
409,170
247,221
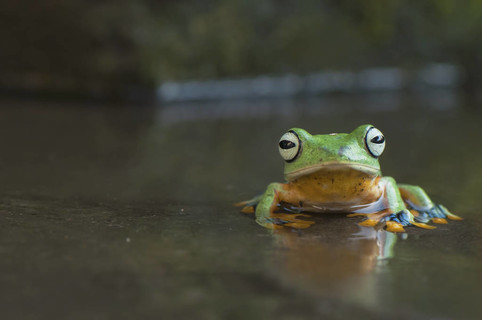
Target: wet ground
126,212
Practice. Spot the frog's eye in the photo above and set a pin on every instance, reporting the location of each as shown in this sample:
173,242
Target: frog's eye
289,146
375,142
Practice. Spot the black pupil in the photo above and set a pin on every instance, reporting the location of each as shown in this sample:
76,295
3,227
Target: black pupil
286,144
378,139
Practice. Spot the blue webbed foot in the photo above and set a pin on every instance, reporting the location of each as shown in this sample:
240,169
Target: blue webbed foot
402,217
437,214
396,221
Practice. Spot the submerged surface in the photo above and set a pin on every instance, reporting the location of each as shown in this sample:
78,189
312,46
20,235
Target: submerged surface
127,212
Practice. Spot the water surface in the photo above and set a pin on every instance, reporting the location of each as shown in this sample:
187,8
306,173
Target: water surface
126,211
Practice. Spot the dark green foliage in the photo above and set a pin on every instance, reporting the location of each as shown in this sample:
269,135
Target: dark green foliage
108,45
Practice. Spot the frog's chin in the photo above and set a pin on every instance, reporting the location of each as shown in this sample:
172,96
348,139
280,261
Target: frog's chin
333,166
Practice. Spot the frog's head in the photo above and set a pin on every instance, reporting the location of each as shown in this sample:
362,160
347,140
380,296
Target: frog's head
305,153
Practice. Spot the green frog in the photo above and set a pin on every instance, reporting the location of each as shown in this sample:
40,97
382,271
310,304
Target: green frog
340,172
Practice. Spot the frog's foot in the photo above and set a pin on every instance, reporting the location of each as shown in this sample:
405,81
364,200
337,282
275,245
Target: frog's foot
249,206
393,222
280,220
241,203
437,214
372,220
396,221
248,209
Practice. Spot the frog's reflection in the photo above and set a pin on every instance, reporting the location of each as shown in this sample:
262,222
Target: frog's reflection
339,259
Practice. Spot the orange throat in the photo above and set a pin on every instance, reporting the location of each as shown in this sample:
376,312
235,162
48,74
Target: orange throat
342,189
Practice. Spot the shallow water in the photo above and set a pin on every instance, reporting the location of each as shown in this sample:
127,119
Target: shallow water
127,212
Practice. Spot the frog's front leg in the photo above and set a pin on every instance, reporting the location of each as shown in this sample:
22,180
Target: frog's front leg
425,210
396,215
269,202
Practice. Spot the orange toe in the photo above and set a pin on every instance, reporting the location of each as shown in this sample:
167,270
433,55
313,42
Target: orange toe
247,210
368,223
393,226
452,216
423,225
439,220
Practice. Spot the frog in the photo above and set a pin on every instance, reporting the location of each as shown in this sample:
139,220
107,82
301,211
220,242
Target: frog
341,173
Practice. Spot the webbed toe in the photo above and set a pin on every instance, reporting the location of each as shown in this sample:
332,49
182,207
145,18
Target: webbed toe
403,217
437,214
393,226
392,222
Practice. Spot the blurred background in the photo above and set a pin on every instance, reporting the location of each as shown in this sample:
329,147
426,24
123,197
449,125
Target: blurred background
129,128
126,49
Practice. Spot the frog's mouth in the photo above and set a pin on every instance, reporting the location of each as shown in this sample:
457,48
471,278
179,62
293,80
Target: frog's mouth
333,166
